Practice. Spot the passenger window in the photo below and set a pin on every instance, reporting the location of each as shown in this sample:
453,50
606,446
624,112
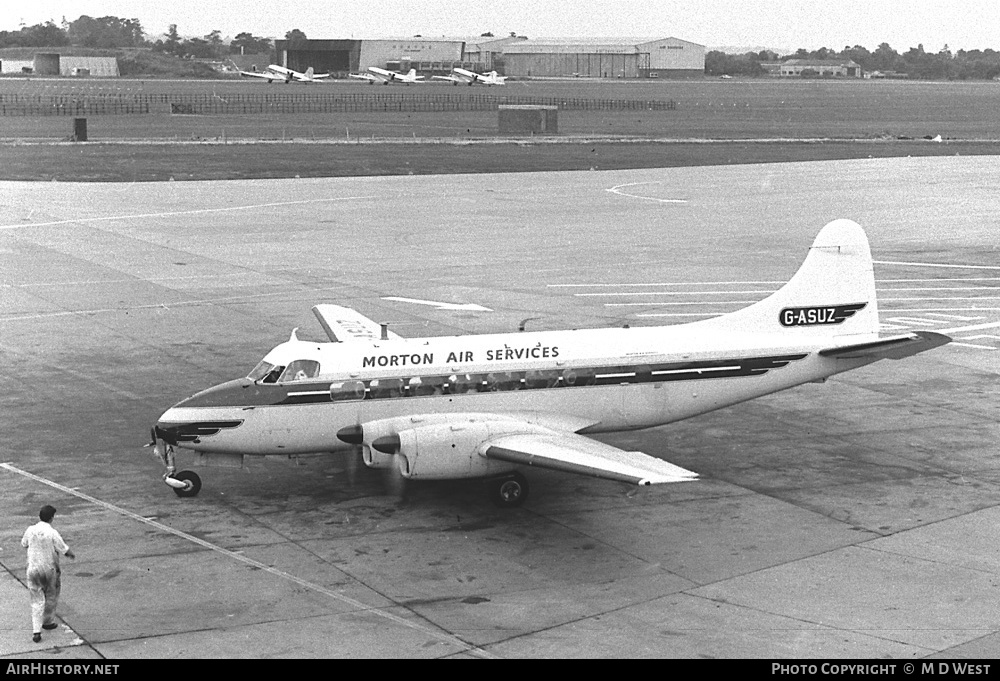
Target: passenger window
301,370
572,377
347,390
501,381
426,385
386,387
459,384
541,379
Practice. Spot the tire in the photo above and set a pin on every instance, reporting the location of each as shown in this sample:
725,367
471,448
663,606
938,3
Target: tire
509,491
194,484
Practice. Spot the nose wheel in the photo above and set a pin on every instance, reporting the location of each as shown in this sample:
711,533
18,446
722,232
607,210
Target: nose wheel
191,483
509,491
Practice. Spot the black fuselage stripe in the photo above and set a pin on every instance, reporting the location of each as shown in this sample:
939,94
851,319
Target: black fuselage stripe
556,379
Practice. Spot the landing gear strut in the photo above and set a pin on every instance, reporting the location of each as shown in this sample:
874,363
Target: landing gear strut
509,491
185,483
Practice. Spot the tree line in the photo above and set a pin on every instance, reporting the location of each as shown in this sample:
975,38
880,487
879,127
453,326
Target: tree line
914,63
110,33
116,33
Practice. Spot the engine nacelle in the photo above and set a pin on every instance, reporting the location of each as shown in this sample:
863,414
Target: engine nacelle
439,446
449,450
376,459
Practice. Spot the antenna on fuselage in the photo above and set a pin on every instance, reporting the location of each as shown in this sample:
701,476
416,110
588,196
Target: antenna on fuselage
520,327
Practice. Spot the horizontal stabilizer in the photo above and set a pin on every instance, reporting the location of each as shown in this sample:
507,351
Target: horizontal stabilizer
896,347
578,454
342,324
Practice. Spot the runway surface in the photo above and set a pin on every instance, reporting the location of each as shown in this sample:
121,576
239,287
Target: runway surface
858,518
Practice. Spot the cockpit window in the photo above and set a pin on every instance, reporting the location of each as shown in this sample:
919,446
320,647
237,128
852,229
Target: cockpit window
300,370
265,372
260,371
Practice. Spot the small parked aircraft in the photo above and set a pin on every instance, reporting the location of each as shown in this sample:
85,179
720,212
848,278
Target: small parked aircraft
384,77
491,406
465,77
275,72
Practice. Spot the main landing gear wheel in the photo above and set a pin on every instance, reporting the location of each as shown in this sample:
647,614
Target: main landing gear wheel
192,487
509,491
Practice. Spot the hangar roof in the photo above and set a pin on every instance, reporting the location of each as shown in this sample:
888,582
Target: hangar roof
592,45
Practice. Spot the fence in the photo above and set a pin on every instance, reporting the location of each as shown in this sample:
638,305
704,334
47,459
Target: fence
294,103
20,105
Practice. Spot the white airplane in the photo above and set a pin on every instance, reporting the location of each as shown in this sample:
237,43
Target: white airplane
275,72
384,77
464,77
491,406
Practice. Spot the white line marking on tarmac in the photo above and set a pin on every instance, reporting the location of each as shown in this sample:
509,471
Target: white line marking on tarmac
974,327
936,264
183,212
749,291
755,283
942,309
694,302
973,345
666,283
447,638
954,316
617,190
667,293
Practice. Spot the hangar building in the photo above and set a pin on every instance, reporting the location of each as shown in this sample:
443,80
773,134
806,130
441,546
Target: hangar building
606,58
427,55
512,56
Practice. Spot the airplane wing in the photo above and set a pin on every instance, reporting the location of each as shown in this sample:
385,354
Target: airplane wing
262,74
451,79
365,76
342,324
573,453
894,347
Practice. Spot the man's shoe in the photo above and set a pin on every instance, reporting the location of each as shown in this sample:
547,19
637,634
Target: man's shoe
50,626
36,637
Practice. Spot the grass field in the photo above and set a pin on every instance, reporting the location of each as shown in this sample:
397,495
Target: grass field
856,119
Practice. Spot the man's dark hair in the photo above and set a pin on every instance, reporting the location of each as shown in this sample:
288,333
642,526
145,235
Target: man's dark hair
47,513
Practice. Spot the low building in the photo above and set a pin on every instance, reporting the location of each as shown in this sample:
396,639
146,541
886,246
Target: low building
54,64
17,66
101,67
837,68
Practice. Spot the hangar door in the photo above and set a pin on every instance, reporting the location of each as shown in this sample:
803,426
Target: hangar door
324,56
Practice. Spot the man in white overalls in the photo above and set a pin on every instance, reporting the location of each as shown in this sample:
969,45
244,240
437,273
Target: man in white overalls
44,546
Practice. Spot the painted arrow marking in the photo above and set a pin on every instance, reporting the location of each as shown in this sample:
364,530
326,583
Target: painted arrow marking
468,307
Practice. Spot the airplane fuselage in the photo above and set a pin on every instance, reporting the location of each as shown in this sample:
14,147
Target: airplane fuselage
606,379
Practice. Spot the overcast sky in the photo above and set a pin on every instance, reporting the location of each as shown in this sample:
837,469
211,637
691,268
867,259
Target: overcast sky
780,24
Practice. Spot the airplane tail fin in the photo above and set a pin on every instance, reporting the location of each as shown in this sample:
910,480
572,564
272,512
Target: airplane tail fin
831,295
309,72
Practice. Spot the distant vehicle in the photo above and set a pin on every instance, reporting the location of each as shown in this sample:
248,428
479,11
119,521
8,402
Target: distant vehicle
725,76
464,77
489,406
384,77
275,72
